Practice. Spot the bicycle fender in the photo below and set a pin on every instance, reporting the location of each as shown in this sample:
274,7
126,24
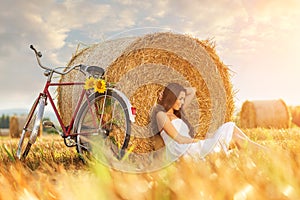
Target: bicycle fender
38,120
127,102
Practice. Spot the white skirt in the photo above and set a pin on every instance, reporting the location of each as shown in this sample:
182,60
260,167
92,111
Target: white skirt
218,142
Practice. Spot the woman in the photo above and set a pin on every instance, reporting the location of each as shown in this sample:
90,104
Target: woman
178,134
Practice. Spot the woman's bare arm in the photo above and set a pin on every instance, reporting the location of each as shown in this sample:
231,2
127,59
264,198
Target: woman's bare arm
164,123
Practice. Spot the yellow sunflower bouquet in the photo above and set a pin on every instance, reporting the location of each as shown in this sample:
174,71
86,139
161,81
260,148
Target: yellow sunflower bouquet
99,85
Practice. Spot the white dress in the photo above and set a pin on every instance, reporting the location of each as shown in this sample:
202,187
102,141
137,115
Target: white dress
220,141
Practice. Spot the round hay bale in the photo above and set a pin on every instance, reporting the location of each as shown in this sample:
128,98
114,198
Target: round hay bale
265,114
142,66
14,127
295,113
16,124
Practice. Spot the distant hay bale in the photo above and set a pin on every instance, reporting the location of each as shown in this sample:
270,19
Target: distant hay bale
265,114
14,127
295,112
16,124
142,66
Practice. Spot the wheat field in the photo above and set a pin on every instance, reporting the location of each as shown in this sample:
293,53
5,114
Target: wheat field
53,171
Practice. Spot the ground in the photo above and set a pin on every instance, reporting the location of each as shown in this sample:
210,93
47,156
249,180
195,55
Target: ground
53,171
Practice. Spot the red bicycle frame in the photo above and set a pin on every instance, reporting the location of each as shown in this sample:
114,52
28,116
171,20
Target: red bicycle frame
47,95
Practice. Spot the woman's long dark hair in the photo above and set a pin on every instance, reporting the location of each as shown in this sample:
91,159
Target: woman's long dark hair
166,102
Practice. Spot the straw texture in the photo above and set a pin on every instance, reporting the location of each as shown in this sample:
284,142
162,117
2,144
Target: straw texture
142,66
265,114
14,129
295,112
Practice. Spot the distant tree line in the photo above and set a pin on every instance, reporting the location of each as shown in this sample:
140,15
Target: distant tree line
4,121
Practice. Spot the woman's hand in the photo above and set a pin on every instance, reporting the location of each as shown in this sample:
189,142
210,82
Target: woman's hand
190,93
196,140
182,139
185,140
190,90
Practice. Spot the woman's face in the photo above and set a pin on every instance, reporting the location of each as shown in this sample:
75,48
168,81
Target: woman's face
180,101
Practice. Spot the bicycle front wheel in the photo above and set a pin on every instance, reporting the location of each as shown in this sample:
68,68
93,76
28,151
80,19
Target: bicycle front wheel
31,129
103,125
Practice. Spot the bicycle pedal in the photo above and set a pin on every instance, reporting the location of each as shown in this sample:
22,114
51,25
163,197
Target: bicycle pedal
70,142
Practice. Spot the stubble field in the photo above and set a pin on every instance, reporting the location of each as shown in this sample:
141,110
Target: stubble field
53,171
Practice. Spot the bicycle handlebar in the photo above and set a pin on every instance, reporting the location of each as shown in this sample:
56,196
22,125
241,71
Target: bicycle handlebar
38,55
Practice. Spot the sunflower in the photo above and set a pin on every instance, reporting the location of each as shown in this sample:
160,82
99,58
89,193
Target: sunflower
100,86
89,83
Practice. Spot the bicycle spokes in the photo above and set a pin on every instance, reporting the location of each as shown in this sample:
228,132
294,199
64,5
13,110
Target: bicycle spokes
104,123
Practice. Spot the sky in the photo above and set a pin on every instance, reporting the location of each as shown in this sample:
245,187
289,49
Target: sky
258,39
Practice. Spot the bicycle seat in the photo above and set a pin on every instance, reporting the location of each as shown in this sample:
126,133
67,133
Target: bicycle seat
94,70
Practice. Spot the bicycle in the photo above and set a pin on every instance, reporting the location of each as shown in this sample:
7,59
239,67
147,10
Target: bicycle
104,116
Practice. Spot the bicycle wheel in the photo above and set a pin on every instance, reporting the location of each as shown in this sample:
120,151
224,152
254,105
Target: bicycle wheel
31,129
103,125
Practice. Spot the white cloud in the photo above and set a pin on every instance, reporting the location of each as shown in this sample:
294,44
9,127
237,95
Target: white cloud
46,24
243,31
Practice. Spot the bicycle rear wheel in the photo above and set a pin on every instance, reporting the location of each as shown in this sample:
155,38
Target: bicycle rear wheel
31,129
103,126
